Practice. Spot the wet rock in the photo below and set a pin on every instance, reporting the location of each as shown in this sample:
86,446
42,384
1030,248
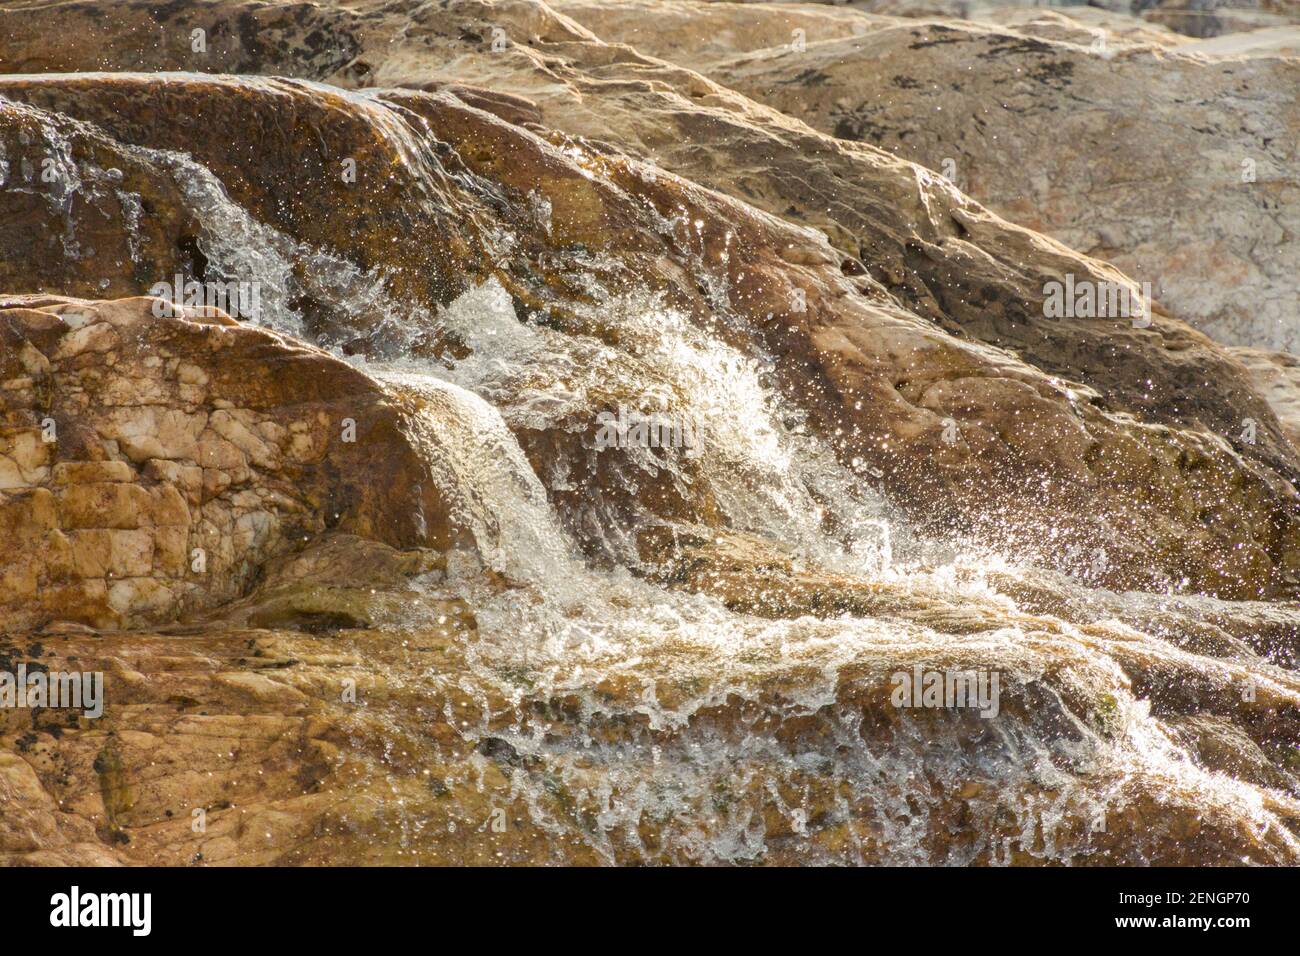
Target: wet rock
398,225
1277,377
355,683
1055,153
961,434
86,217
338,581
1221,746
244,746
153,465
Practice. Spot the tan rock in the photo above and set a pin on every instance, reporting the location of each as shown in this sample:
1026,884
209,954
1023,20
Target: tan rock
1086,25
865,338
1277,376
1205,223
240,746
99,542
1195,18
91,472
329,695
1218,17
1277,41
103,505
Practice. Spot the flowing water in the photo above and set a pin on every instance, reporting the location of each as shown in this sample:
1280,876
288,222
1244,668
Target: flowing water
642,720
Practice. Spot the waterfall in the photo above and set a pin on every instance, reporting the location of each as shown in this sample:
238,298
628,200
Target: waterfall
572,612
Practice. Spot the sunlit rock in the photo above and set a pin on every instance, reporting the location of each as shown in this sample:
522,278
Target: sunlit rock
153,464
1043,133
604,468
960,434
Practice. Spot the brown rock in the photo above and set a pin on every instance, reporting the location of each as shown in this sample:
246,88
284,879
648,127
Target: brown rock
1165,504
329,696
93,539
240,746
1196,200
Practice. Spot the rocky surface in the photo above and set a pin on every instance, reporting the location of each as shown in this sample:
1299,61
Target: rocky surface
1195,18
1203,207
474,635
886,335
150,466
230,744
695,34
1085,25
1278,41
1209,18
1277,377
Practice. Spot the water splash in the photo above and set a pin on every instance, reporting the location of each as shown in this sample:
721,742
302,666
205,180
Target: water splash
679,728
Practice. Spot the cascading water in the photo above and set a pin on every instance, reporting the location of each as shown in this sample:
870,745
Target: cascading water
672,726
581,626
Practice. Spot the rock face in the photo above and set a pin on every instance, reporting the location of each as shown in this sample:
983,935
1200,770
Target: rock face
480,633
1196,18
1045,134
878,335
695,34
1088,26
1209,18
1277,377
1277,41
239,745
149,466
131,211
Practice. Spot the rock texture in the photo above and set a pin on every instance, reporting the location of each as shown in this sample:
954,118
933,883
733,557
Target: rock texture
1202,207
1196,18
889,338
239,745
1086,25
1208,18
1277,377
150,466
1276,41
410,648
695,34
